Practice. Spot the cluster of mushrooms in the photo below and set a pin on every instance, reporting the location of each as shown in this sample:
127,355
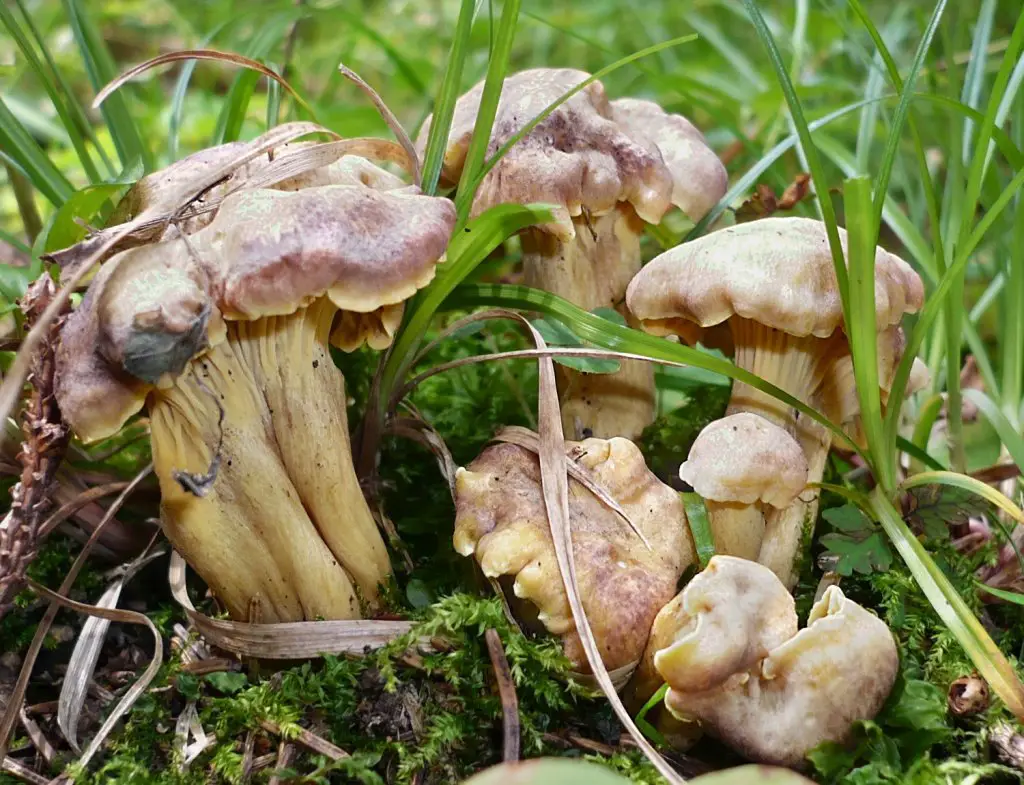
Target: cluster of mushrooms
221,325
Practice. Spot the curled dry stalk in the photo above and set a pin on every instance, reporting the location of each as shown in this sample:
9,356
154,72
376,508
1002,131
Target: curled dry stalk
46,439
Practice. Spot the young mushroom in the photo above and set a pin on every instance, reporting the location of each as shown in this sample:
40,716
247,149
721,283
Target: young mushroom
784,692
502,521
771,283
608,167
742,464
224,336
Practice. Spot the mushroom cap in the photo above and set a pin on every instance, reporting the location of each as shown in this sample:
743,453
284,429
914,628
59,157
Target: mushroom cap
502,520
775,271
728,618
699,179
745,458
808,690
266,252
583,156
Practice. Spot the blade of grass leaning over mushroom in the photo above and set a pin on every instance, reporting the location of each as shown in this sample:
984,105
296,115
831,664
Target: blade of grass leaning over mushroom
609,167
769,289
729,648
224,336
501,521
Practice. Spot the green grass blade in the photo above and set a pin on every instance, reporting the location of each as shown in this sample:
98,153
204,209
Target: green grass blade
74,107
21,149
903,109
600,332
949,605
52,90
861,322
817,171
236,104
936,302
99,65
700,527
451,86
497,67
974,77
466,251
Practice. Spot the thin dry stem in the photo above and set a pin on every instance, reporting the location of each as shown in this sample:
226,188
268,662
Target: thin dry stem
46,439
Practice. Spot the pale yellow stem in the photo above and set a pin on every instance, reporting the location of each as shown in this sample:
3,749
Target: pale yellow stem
592,271
305,395
248,535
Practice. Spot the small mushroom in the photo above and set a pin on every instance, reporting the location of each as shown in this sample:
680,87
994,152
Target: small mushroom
224,336
502,521
736,664
772,285
741,465
609,167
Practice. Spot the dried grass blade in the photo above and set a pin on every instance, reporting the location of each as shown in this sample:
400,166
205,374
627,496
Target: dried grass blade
528,440
555,485
285,641
22,772
389,118
198,54
296,162
82,665
139,687
307,739
83,499
38,738
17,694
149,220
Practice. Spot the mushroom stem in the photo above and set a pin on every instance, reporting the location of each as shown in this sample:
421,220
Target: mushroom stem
305,394
283,521
592,270
248,536
738,528
797,365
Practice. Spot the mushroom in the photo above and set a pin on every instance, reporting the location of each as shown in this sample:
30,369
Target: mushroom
735,663
742,464
502,521
224,336
772,284
609,167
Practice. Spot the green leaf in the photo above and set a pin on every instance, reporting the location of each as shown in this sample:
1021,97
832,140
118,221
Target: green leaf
227,682
558,334
68,225
188,685
419,594
934,508
15,280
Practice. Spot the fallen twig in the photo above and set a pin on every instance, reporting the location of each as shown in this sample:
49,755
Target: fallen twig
507,691
285,753
308,740
22,772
